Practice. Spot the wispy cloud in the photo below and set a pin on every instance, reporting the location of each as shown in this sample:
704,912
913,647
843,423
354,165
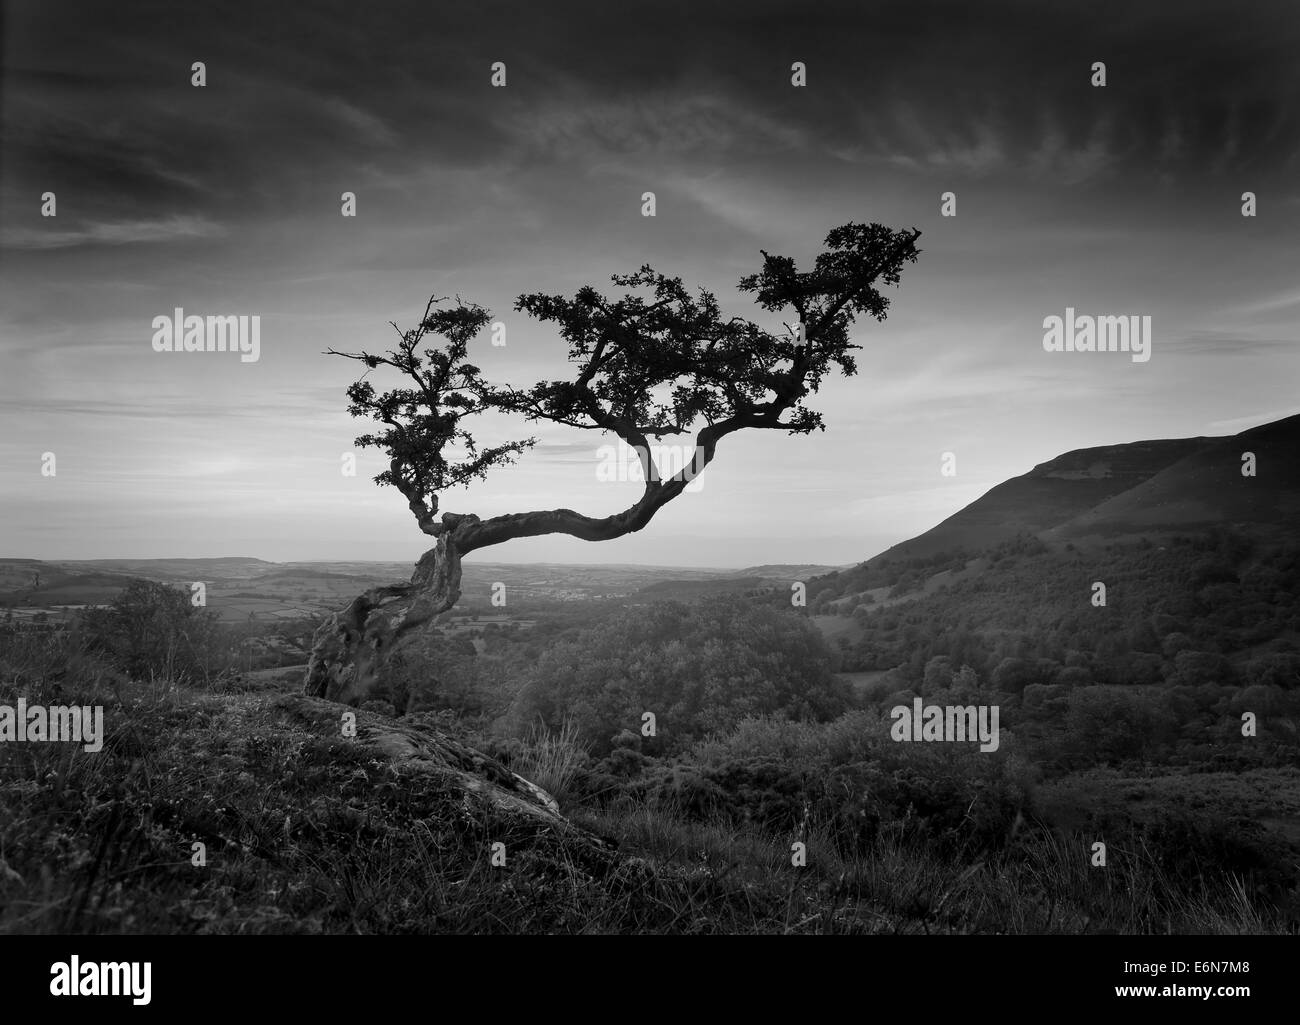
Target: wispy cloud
1234,343
1269,304
112,233
659,123
1242,423
371,128
1057,158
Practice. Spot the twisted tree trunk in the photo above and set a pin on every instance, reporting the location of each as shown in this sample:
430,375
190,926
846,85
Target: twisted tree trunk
351,648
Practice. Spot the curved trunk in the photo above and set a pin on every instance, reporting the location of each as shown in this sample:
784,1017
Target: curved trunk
351,648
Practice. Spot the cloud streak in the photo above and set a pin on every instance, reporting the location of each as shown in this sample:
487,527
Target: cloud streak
121,233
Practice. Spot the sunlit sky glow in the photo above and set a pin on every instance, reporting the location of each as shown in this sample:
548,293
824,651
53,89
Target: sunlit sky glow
225,200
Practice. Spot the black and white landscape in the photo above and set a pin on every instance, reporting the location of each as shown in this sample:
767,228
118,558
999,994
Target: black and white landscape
822,468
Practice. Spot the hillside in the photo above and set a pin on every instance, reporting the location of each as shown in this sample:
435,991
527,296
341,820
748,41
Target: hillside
1125,490
1115,493
788,571
1201,567
1206,487
31,580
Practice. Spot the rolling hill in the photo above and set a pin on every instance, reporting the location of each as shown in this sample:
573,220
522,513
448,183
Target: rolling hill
1196,556
1142,488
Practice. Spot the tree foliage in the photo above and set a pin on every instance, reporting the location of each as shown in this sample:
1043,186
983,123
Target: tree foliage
697,668
657,360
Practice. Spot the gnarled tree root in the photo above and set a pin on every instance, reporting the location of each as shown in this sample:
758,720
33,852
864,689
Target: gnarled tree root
352,647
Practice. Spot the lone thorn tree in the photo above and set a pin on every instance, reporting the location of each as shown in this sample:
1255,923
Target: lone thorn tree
712,375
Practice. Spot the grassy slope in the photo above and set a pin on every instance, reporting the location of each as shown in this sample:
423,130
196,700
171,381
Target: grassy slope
307,831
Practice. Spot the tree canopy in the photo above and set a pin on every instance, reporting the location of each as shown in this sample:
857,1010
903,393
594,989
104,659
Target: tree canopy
657,360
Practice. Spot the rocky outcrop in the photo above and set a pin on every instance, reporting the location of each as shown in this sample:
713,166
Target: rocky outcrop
421,749
469,769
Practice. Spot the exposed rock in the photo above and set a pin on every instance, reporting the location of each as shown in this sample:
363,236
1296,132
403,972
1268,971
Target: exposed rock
420,748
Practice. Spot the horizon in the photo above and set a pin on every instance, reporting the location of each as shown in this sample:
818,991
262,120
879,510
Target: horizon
1246,423
380,562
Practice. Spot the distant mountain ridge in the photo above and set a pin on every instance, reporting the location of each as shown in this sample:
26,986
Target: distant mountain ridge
1144,487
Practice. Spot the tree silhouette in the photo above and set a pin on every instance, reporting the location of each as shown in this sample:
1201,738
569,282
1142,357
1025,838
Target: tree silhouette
666,363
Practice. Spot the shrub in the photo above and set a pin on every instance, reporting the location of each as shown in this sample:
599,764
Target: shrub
698,668
152,630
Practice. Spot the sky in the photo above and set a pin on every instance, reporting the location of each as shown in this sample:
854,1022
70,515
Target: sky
225,199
